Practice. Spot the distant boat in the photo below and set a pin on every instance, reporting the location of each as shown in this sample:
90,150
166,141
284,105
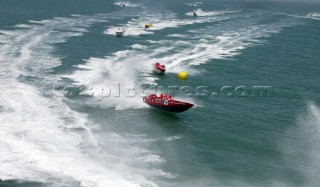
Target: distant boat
148,25
159,68
122,4
316,15
195,14
119,32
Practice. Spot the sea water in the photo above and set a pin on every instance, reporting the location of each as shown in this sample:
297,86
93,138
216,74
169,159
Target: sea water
71,110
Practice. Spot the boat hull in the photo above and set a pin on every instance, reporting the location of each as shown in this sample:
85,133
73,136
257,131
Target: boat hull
175,109
167,105
158,72
148,25
158,68
119,33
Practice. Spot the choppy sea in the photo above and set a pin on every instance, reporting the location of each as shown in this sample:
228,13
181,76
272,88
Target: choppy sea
71,110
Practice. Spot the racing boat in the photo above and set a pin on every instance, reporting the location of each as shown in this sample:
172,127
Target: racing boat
159,68
148,25
195,14
167,103
119,32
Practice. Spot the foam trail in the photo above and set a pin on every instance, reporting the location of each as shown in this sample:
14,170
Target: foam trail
112,78
129,31
135,27
173,138
41,138
176,35
201,47
126,4
216,47
196,48
316,14
202,13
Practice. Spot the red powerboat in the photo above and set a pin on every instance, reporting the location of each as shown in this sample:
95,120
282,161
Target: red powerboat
159,68
166,102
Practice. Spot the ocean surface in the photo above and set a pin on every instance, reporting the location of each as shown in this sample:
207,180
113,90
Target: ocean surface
71,110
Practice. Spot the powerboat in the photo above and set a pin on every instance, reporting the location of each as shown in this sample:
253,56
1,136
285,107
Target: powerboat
159,68
119,32
148,25
195,14
167,103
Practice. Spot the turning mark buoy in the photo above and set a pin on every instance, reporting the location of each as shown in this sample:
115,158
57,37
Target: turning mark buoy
183,75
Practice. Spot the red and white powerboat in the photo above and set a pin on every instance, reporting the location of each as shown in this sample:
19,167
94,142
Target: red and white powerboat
159,68
166,102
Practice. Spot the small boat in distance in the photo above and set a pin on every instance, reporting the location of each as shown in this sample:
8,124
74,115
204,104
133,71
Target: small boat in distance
195,14
167,103
119,32
159,68
148,25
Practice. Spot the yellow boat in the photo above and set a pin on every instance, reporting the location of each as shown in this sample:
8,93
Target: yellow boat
148,25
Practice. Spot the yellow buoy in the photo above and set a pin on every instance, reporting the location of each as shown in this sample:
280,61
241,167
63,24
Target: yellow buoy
183,75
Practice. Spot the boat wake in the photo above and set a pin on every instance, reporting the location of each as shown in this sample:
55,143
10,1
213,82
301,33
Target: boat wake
123,72
135,26
126,4
314,15
42,139
201,13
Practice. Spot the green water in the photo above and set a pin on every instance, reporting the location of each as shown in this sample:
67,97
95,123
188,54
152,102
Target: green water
227,139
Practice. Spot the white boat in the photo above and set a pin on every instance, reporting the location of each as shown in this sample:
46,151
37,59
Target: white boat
119,32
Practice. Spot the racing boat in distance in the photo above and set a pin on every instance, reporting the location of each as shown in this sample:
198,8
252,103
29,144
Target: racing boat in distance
148,25
119,32
158,68
167,103
195,14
